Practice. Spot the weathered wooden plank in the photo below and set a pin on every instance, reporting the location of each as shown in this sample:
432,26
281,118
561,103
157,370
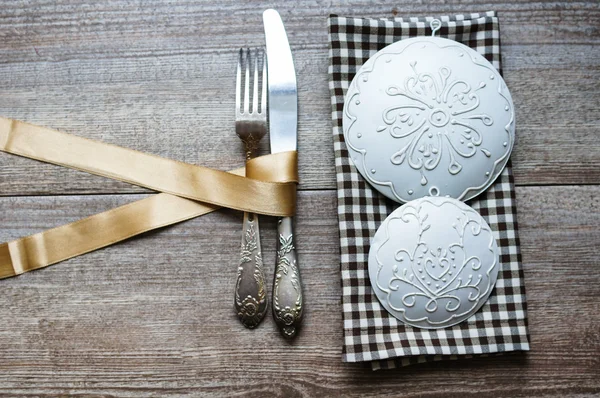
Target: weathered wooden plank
153,315
180,106
129,28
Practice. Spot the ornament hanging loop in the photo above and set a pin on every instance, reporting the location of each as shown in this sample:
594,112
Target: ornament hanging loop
435,25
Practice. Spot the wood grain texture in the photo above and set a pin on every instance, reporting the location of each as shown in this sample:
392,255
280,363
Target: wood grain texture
159,77
153,316
134,320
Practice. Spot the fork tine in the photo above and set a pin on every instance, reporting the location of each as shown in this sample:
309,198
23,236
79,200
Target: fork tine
263,100
238,83
247,83
255,89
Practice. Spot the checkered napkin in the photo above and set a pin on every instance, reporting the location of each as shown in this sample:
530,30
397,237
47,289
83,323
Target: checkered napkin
370,333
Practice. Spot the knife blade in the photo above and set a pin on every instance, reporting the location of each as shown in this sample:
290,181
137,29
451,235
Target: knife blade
283,92
287,301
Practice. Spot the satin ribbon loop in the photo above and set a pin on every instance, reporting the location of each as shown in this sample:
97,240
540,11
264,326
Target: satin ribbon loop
281,167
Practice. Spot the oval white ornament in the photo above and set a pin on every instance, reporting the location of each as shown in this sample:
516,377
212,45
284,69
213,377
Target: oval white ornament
433,262
429,116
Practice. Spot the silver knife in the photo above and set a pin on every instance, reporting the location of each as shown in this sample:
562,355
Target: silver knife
283,127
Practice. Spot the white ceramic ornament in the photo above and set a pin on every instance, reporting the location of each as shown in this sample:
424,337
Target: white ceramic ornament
433,262
428,116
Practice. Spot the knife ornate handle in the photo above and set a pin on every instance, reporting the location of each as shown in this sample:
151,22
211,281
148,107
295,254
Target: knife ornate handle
287,286
250,293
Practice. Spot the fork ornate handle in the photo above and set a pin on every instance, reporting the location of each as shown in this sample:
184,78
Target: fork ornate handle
250,293
287,286
250,125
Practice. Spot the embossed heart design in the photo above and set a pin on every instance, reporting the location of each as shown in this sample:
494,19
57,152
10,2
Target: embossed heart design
433,262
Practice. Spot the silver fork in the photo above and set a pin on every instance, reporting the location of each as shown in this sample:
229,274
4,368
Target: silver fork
250,125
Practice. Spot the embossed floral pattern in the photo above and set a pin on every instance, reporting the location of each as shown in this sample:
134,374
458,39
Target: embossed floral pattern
441,114
444,267
252,308
287,316
428,117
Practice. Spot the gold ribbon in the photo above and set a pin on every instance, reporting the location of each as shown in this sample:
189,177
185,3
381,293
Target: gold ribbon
268,188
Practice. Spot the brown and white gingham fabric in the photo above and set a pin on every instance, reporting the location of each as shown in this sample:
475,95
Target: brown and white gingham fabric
370,333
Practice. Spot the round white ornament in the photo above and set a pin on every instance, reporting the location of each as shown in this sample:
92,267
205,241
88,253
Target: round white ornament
428,116
433,262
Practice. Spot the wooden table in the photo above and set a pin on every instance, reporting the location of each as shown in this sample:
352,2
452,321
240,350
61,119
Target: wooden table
153,315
